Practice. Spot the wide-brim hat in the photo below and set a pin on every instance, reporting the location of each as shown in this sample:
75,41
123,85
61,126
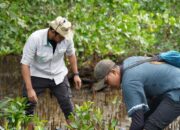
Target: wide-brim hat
62,26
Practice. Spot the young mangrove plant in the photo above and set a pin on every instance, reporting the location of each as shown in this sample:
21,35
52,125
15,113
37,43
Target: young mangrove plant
88,117
13,115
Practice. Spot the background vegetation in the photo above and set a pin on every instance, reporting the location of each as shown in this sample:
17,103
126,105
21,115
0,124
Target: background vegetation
102,27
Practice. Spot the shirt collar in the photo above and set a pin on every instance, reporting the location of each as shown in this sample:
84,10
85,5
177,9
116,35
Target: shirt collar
121,71
45,38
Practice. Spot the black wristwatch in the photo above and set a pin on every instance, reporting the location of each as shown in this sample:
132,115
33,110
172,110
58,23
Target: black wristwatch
76,74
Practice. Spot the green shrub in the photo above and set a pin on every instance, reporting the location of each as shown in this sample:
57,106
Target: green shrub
87,117
102,27
13,117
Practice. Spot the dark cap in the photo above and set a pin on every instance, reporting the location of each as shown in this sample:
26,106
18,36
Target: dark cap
102,68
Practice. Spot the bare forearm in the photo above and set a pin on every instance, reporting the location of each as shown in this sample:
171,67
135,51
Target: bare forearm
73,63
26,76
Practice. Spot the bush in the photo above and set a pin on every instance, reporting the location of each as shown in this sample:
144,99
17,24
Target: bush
102,27
13,117
87,117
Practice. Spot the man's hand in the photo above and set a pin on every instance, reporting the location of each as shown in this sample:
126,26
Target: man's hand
77,81
32,96
27,78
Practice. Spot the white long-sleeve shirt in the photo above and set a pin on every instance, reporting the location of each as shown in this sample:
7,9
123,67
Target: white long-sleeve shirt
38,54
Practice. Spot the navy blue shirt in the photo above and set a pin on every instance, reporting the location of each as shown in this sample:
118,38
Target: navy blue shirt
148,80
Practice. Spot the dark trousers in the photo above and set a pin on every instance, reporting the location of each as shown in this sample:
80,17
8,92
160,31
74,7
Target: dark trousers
61,91
162,112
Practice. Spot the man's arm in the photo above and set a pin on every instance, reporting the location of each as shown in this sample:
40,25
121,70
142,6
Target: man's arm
27,79
135,100
73,63
29,51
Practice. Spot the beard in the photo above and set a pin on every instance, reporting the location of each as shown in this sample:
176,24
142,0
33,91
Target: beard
52,41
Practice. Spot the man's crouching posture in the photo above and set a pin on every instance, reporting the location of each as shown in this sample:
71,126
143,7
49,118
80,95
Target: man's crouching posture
151,90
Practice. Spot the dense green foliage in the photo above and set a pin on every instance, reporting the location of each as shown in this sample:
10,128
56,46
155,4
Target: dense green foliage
13,117
102,27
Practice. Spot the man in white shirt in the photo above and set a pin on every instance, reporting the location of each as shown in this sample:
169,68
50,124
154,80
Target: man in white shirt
43,64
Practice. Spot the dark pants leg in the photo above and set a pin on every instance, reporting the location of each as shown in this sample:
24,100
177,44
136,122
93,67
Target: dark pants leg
167,111
153,103
60,91
63,94
39,85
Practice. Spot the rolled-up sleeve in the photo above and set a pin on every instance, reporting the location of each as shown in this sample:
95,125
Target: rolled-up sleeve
29,50
70,49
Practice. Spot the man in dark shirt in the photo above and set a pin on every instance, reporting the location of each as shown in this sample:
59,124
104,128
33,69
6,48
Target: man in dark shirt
151,90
